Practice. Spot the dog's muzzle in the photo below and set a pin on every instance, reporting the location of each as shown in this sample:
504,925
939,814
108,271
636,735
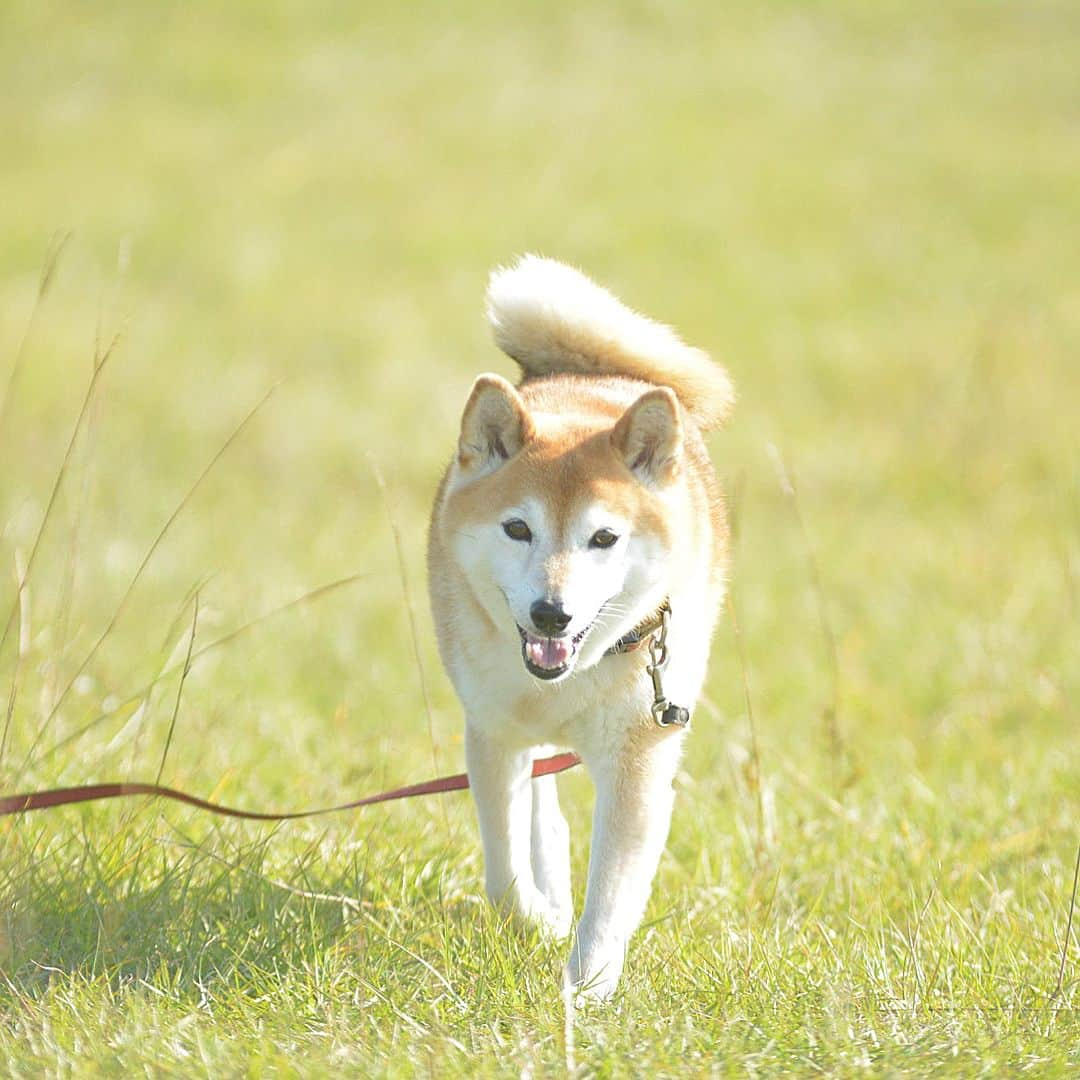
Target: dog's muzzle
549,657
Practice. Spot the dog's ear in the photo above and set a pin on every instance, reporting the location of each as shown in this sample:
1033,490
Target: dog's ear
649,438
494,426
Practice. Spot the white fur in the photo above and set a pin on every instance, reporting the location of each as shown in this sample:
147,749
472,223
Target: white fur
599,588
599,713
551,318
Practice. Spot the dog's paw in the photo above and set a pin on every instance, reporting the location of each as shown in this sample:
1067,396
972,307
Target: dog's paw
594,973
536,910
598,989
531,909
561,921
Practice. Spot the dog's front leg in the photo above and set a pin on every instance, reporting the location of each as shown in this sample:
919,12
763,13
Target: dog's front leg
501,781
631,819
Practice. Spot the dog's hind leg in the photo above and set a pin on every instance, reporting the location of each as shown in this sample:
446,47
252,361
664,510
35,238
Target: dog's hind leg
501,781
551,850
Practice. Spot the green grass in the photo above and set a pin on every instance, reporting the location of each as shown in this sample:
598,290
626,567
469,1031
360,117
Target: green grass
870,212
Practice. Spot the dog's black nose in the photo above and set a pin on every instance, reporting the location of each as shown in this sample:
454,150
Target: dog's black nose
549,619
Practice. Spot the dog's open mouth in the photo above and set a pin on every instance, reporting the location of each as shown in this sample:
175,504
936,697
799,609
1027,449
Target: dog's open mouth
549,657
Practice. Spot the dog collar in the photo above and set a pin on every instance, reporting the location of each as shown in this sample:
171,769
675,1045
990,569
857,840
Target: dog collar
653,631
641,633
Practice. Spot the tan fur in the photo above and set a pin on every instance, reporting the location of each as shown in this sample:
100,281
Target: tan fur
569,460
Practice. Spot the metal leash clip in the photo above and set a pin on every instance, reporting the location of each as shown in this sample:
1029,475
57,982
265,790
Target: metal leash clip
664,712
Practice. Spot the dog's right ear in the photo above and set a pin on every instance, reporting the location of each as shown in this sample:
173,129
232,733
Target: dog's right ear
494,426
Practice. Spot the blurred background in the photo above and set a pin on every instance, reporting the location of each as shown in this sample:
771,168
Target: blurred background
869,213
870,216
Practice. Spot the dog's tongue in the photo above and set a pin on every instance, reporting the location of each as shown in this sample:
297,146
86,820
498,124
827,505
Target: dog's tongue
547,652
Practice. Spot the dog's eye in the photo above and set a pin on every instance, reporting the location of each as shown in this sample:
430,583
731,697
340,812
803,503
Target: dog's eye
516,529
603,538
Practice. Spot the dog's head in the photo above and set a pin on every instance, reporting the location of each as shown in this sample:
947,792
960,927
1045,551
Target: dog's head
563,524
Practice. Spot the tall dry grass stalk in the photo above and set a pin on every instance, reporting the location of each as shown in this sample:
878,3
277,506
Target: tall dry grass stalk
45,280
410,608
754,779
179,690
119,610
101,359
133,700
837,746
1068,928
23,599
147,557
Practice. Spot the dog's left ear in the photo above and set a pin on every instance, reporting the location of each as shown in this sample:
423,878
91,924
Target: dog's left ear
494,426
649,437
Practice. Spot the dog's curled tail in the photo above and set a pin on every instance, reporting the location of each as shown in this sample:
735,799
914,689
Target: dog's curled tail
552,319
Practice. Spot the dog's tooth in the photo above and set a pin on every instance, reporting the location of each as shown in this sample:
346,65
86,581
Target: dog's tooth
556,652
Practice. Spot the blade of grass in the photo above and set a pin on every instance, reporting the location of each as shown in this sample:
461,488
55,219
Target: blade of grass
179,690
20,652
162,532
1068,927
70,577
173,639
100,360
740,655
409,607
48,269
218,643
838,750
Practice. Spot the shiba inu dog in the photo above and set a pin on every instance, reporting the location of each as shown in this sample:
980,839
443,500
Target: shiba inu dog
577,557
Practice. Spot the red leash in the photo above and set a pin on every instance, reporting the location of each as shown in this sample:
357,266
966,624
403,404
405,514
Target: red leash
42,800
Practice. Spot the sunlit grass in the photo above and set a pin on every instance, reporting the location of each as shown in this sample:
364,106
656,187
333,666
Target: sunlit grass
870,213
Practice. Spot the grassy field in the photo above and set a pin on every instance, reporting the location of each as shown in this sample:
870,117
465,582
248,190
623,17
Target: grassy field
871,213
